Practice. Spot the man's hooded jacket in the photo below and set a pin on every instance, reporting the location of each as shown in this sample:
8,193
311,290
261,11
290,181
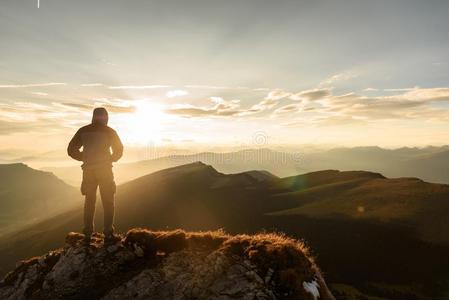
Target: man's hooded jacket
97,140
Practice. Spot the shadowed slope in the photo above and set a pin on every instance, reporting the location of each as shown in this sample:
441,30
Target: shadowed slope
27,194
364,195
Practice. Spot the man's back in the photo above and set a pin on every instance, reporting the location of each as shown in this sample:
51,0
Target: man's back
97,140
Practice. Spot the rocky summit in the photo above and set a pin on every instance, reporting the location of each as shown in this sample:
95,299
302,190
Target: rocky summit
170,265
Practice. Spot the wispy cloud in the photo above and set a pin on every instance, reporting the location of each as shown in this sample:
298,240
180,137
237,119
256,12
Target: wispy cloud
8,127
14,86
215,87
220,107
311,95
344,76
277,94
226,108
39,93
115,106
176,93
138,87
370,89
288,109
55,116
265,104
401,90
74,106
91,84
348,108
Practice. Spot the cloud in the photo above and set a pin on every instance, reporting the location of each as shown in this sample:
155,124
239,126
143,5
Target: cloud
119,108
112,105
138,87
176,93
227,108
344,76
288,108
270,101
91,84
430,104
75,105
426,95
277,95
30,117
311,95
8,127
221,107
263,105
55,116
274,96
401,90
215,87
14,86
39,93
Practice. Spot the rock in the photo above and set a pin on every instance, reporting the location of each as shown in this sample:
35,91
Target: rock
112,248
138,251
170,265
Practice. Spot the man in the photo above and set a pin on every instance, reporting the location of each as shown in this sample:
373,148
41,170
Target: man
97,140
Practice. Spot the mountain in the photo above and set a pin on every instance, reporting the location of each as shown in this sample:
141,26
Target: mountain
389,234
171,265
370,196
27,195
429,163
278,163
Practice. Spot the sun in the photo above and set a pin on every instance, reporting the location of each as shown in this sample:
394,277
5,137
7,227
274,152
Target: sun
144,125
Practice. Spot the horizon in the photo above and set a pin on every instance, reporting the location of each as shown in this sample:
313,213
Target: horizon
135,154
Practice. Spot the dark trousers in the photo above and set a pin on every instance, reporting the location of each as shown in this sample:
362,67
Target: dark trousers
103,178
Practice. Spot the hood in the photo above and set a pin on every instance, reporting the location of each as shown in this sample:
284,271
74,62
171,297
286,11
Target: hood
100,116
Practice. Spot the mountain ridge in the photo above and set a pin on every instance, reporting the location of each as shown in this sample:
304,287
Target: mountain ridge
429,163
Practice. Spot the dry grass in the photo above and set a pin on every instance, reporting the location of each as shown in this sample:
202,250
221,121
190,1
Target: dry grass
288,258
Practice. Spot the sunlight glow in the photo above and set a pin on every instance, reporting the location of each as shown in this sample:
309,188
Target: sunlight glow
144,125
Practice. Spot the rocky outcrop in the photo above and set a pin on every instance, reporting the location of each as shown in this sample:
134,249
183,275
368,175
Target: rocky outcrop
170,265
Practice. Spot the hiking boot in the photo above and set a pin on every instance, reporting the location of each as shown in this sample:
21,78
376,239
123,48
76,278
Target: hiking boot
111,239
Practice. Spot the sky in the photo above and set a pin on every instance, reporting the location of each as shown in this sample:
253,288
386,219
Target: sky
196,74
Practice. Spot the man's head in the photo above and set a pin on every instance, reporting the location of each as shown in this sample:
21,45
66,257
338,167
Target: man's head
100,116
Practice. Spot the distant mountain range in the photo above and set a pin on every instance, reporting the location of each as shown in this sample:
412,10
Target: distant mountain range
28,195
384,236
430,163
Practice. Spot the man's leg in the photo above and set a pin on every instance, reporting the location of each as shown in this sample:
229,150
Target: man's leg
89,190
107,191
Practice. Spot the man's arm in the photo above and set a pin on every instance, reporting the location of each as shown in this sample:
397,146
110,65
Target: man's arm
73,150
117,147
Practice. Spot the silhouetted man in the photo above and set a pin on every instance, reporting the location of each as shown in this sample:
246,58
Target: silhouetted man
97,140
